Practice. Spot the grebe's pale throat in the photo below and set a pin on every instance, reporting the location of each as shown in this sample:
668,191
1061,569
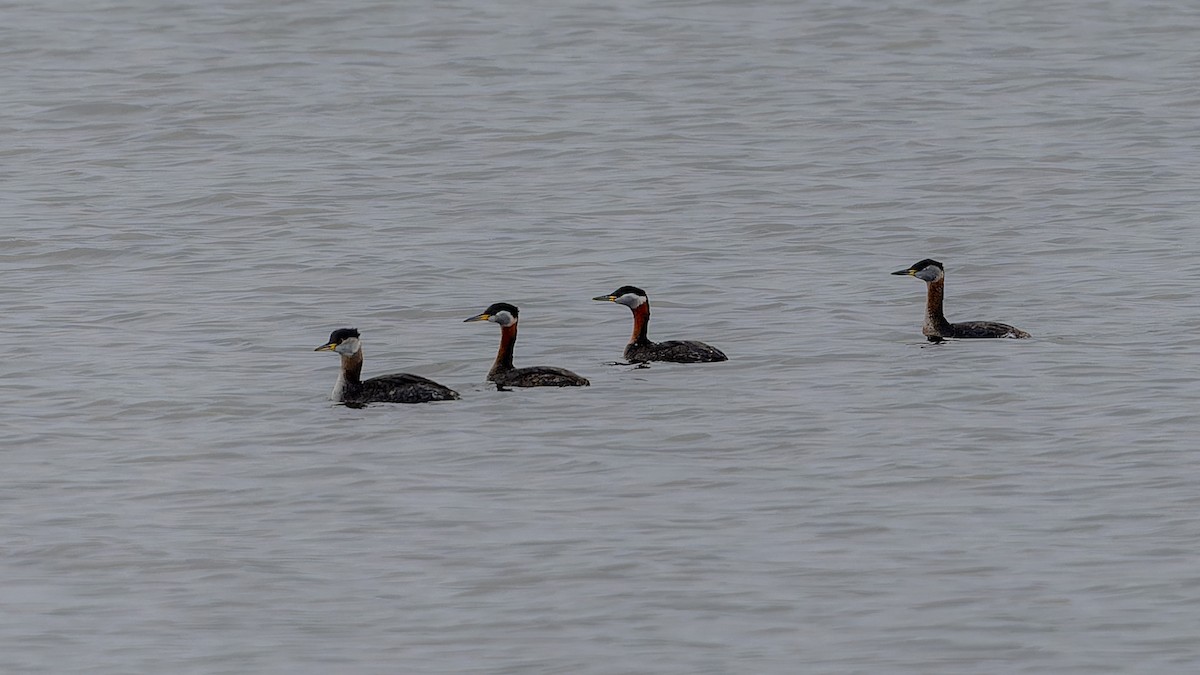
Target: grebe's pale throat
936,327
641,349
395,388
503,373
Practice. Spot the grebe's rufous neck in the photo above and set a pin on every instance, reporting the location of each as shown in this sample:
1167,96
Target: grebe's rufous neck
395,388
503,373
936,327
641,349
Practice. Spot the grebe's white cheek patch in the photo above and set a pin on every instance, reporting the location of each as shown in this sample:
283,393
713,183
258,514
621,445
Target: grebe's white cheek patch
503,318
631,300
348,347
929,274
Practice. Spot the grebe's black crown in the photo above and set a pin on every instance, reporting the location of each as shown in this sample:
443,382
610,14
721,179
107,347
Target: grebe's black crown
498,307
927,263
629,289
342,334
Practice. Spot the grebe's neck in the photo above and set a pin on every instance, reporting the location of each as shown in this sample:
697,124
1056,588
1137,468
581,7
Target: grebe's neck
935,321
504,357
352,367
641,322
349,375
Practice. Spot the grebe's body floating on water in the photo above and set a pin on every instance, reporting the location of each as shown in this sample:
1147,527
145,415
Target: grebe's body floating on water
640,349
503,373
394,388
936,326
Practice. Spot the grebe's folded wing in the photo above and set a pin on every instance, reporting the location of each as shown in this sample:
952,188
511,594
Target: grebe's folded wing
987,329
688,351
540,376
404,387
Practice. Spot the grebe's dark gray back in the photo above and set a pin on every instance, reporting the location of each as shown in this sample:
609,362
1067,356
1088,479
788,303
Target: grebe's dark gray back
503,373
641,349
395,388
936,327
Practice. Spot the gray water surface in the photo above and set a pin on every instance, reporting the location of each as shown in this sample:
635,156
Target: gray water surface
196,194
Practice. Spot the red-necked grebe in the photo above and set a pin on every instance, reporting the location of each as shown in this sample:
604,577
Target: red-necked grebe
394,388
640,349
936,326
503,373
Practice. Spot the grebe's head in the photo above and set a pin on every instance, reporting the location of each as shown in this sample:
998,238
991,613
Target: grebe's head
927,270
630,296
343,341
501,313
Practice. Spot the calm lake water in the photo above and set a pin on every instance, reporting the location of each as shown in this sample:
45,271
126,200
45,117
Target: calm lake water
196,194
